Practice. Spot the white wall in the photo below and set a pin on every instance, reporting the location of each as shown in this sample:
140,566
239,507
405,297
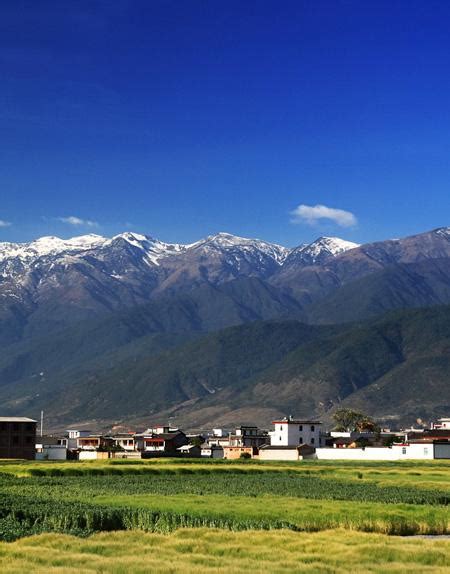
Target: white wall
407,452
417,451
355,454
282,454
87,455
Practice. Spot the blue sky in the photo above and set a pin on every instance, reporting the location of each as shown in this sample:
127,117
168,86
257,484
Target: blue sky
184,118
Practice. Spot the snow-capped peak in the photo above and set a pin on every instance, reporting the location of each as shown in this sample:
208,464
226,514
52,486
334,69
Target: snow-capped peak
320,249
334,245
131,236
227,242
50,246
443,231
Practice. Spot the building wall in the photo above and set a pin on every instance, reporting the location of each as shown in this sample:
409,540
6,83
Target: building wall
88,443
288,433
125,443
443,424
397,452
233,452
442,450
92,455
153,447
275,454
131,454
18,439
416,451
52,452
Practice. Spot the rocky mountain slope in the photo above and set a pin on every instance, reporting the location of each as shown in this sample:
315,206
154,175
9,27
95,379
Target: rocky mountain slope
51,283
56,282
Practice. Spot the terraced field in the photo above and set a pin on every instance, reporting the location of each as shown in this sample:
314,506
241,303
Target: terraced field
170,503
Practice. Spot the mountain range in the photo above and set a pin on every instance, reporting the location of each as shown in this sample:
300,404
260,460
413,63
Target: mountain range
101,331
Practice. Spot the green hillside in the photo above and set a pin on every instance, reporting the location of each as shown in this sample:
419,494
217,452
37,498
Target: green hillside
395,367
422,284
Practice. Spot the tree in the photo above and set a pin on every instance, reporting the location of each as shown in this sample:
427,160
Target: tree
350,420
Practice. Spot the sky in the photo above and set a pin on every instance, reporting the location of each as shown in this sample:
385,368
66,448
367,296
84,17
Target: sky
283,120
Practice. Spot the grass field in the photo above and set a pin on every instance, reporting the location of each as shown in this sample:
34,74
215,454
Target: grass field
133,507
190,551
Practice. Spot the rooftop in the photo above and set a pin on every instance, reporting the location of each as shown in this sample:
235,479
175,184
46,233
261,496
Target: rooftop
16,420
161,436
281,447
297,422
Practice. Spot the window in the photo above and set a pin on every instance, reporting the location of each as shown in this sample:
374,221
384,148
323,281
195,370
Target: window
403,449
312,440
313,428
281,427
300,440
300,428
280,437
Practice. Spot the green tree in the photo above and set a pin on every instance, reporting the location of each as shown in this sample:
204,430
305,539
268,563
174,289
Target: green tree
350,420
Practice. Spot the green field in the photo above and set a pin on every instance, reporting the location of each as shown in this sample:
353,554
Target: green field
298,508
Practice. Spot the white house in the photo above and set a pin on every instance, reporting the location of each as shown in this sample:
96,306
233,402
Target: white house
124,441
73,435
294,432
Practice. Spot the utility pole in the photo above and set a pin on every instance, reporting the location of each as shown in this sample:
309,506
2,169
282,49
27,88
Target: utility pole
42,423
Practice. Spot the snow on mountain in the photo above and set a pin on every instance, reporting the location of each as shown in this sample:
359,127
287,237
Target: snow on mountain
252,247
443,232
50,246
320,250
128,268
235,249
153,250
331,245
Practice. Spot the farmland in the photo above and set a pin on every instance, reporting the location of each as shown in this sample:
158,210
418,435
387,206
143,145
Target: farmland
182,503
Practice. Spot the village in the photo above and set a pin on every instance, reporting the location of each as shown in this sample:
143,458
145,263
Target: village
290,439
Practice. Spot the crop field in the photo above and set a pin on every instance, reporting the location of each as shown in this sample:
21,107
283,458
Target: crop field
222,515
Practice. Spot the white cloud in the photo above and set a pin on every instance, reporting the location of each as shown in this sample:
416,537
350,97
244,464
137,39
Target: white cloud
311,214
4,223
77,221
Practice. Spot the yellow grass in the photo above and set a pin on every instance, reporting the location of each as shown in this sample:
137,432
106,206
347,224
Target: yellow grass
195,551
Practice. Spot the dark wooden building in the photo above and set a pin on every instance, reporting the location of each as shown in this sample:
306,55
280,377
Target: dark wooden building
17,437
